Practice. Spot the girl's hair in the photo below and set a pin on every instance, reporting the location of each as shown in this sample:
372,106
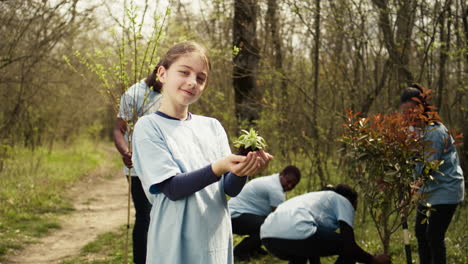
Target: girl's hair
178,50
344,190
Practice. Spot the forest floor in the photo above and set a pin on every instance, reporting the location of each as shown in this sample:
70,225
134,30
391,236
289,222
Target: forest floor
100,202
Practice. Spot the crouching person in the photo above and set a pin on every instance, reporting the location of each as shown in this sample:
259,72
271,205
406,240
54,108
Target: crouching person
249,209
303,228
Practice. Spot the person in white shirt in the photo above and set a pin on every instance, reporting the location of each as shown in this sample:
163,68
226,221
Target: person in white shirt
303,228
258,198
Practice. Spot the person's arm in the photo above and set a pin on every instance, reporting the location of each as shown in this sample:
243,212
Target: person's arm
438,139
185,184
233,184
275,196
120,127
352,249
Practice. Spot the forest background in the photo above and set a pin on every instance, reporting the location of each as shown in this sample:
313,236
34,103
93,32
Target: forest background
288,68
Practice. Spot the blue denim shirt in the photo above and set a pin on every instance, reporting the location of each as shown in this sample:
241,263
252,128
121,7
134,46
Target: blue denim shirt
447,187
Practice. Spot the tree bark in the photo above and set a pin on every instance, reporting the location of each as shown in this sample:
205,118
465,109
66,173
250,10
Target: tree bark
246,61
398,46
315,127
444,36
462,41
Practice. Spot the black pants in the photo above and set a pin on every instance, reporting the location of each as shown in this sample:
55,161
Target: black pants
322,243
142,219
430,232
247,224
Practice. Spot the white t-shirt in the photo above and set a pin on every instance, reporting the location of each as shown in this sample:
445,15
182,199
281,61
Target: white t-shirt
139,99
195,229
299,217
258,197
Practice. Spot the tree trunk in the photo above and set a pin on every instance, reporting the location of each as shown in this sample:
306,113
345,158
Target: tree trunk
462,41
315,128
398,47
443,53
277,55
464,149
246,61
386,225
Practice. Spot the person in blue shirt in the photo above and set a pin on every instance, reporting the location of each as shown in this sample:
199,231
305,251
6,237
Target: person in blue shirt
257,199
303,228
140,99
186,167
445,190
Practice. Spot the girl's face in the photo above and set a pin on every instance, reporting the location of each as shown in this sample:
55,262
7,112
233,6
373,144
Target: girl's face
184,81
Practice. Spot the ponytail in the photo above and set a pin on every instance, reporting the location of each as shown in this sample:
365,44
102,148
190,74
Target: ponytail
152,80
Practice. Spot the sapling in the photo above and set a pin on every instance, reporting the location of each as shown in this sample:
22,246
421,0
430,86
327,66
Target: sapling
382,153
249,141
136,53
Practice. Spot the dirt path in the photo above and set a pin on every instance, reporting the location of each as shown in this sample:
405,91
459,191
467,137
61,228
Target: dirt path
100,201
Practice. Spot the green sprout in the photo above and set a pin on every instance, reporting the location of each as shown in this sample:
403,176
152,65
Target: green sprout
250,139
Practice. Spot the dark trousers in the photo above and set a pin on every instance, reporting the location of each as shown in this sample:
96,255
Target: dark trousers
322,243
142,219
430,232
247,224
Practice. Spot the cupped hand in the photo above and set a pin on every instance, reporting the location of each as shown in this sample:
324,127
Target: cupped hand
251,164
246,167
255,162
263,159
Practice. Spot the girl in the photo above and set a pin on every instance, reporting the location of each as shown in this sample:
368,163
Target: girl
446,190
303,228
186,167
140,99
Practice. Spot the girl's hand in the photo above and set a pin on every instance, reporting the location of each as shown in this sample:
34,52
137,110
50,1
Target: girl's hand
263,159
225,164
254,162
247,167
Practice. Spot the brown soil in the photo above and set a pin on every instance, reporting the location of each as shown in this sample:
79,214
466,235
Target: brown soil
100,203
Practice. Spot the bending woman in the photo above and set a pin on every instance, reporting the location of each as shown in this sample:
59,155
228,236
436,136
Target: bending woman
303,228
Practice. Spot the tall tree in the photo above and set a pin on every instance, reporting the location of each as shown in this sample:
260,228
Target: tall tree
444,36
315,92
246,60
398,44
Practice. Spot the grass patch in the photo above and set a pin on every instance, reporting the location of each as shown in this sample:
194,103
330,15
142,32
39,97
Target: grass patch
107,248
110,247
33,188
367,237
